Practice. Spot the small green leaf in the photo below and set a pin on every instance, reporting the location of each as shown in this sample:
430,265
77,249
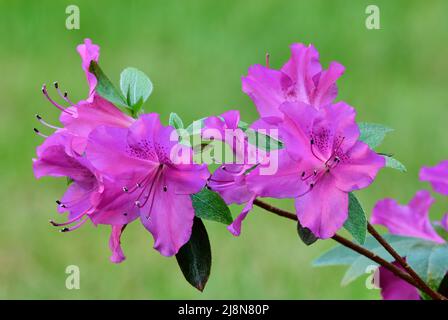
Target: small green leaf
195,257
394,164
356,223
373,134
306,235
175,121
135,86
104,87
263,141
196,126
209,205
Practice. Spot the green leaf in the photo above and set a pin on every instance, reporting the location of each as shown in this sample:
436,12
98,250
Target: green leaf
263,141
175,121
394,164
373,134
195,257
104,87
135,86
243,125
356,223
306,235
430,261
209,205
196,126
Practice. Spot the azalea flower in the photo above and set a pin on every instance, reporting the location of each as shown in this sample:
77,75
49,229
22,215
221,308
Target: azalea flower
164,176
437,176
89,196
410,220
301,79
328,161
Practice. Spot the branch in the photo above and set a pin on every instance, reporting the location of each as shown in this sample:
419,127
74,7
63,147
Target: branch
363,251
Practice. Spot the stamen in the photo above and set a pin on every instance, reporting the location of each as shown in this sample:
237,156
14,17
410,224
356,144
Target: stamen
39,118
44,91
71,220
63,96
312,150
75,226
40,133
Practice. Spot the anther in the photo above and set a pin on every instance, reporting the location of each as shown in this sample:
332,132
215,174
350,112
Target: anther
125,214
303,174
125,189
165,188
64,229
56,85
137,203
40,133
58,202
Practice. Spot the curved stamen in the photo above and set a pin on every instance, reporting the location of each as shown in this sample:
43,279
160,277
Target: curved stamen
44,91
71,220
63,96
39,118
312,150
75,226
39,133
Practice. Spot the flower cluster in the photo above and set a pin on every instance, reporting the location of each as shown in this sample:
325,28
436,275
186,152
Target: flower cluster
123,165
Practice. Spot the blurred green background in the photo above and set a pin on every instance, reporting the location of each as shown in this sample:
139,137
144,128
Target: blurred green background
195,53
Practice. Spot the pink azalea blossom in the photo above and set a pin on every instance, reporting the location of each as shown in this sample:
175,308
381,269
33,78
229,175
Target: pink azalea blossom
437,176
410,220
301,79
89,196
163,184
330,162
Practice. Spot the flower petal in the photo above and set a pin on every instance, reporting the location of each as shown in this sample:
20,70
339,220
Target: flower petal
407,220
359,169
324,209
89,52
327,90
235,226
265,87
169,218
437,176
394,288
115,244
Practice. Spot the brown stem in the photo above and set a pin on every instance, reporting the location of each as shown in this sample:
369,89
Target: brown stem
425,288
361,250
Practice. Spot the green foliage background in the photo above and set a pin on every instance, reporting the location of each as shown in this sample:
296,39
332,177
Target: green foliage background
195,53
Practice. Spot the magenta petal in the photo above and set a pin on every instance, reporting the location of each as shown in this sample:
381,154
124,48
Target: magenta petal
324,209
394,288
230,182
235,226
169,218
187,179
359,170
89,52
294,130
86,116
437,176
102,141
302,67
327,90
115,244
283,182
407,220
264,87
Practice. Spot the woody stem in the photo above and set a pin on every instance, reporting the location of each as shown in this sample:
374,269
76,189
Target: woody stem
406,276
